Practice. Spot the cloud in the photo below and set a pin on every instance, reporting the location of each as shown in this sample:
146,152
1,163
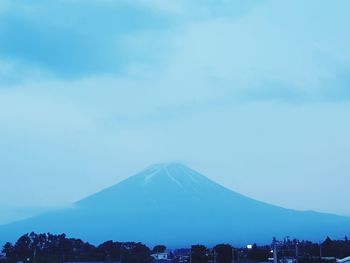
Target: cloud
92,91
72,39
224,49
264,49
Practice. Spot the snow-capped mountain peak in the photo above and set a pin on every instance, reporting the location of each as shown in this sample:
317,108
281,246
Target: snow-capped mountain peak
175,205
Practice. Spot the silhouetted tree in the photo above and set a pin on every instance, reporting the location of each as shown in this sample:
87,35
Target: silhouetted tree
8,250
199,254
159,249
223,253
22,248
328,248
260,253
111,249
49,248
136,253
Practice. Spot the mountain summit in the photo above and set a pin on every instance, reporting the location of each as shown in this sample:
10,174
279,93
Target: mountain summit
160,184
177,206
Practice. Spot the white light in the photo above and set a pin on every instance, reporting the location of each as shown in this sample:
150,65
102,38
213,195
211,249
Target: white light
271,251
249,246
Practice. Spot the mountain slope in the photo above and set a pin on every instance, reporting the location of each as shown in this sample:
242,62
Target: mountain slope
172,204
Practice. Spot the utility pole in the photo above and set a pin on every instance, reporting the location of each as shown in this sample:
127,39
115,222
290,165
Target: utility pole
34,256
233,255
296,252
274,252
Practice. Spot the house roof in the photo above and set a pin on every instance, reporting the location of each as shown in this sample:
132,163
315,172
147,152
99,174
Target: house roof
347,259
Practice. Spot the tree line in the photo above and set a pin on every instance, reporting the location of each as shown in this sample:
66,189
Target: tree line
50,248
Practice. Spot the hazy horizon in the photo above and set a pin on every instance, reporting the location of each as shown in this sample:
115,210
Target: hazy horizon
254,95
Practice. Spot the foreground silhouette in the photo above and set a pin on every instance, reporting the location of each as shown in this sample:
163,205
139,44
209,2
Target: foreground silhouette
49,248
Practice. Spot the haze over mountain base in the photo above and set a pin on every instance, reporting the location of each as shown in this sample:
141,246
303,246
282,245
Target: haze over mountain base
176,206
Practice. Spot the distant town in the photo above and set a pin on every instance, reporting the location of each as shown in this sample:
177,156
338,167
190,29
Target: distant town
49,248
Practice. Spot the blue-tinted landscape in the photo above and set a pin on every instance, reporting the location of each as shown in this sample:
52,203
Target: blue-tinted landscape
174,131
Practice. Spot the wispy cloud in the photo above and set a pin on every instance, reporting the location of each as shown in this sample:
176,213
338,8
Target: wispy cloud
73,38
268,48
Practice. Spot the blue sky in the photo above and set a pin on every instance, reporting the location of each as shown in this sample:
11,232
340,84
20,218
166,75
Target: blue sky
254,94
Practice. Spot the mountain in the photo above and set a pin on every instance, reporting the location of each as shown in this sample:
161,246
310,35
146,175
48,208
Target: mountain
174,205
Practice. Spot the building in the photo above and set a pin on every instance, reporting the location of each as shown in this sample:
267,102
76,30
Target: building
160,256
344,260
